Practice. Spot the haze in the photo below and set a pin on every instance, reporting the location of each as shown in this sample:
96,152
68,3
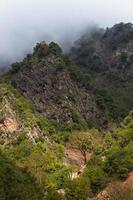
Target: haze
25,22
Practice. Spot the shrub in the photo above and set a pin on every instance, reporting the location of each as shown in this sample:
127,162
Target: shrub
71,127
97,177
78,189
41,50
54,48
119,163
16,67
15,183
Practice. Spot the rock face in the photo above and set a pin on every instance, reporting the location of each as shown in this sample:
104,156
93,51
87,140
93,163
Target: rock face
17,118
8,120
47,82
9,124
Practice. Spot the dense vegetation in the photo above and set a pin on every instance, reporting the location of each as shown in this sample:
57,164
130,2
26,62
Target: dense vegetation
113,159
106,55
41,157
16,183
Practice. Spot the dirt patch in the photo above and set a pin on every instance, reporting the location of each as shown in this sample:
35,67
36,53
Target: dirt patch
75,157
129,180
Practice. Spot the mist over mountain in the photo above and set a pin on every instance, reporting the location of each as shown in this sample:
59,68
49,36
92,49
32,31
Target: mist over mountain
24,23
66,102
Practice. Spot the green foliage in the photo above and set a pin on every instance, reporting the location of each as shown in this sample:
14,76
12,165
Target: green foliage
125,136
16,67
112,99
78,119
43,160
15,183
78,189
109,141
83,142
45,125
71,127
41,50
103,99
54,48
43,155
97,177
119,163
53,195
111,81
24,111
128,121
78,122
78,75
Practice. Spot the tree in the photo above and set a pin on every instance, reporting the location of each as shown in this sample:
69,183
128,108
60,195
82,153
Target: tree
78,189
54,48
41,49
16,67
83,142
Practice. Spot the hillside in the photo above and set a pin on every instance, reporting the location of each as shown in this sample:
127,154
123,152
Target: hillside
107,56
34,164
55,87
31,161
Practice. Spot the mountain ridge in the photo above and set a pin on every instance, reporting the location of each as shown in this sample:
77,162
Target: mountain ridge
107,56
49,84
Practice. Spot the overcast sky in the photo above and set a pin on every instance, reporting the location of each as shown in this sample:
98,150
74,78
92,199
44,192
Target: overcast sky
24,22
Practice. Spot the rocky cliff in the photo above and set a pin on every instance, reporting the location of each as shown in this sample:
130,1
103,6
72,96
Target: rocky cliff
46,79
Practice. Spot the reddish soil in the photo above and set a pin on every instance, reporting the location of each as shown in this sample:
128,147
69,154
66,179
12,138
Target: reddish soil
75,157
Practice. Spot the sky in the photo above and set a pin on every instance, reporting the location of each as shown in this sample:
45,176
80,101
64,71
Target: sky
25,22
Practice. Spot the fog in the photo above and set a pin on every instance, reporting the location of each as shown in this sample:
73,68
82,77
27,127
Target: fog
25,22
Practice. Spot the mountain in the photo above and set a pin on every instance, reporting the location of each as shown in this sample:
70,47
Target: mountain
100,49
108,56
66,121
49,80
95,91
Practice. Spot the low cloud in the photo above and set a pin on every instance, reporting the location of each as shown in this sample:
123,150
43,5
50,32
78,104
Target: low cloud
25,22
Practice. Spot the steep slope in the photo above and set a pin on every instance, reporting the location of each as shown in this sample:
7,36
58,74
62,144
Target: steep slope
17,115
108,56
32,154
31,162
47,79
15,183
